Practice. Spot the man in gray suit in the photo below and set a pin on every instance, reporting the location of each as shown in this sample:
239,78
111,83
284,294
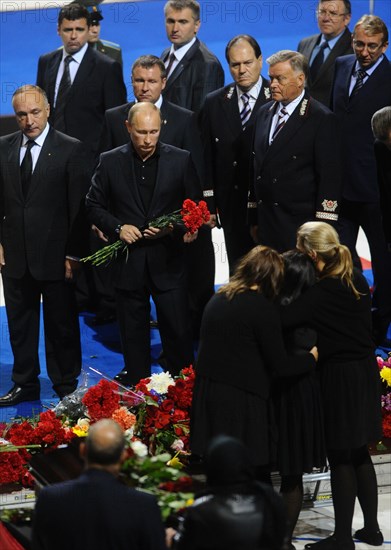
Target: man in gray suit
321,50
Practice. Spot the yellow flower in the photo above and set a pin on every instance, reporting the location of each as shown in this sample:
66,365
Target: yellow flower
80,432
385,374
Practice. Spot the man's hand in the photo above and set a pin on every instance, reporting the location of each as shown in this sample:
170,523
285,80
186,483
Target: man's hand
130,234
212,221
99,233
154,233
314,352
190,237
2,259
71,267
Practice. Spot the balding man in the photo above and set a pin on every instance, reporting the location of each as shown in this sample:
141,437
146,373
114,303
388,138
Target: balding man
114,516
132,185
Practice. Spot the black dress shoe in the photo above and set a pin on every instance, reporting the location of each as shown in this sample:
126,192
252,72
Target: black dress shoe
17,394
331,543
374,538
123,378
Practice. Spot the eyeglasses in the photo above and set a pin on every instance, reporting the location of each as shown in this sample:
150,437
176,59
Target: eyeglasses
371,47
330,14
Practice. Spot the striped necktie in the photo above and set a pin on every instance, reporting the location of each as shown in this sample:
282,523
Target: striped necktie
245,113
360,75
171,60
280,122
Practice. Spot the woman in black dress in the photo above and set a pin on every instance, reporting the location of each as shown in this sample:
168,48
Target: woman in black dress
338,307
301,446
241,349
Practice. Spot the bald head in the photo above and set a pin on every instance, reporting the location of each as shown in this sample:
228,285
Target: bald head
143,125
105,443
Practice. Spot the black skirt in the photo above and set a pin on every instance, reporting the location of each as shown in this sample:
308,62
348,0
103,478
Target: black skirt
220,408
351,393
299,411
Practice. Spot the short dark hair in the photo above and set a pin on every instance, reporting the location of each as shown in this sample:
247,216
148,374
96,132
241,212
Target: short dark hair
179,5
101,449
381,124
149,61
347,4
72,12
247,38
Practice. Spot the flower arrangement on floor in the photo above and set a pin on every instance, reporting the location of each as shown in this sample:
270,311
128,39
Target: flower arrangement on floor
192,216
385,375
155,418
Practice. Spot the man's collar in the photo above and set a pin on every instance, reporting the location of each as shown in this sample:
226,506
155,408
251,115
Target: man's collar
182,51
78,56
38,140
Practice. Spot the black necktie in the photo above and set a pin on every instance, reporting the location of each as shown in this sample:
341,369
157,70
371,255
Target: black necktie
360,75
171,60
26,168
318,61
63,91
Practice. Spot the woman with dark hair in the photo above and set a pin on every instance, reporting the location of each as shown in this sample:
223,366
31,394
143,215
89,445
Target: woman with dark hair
241,349
235,512
301,446
338,307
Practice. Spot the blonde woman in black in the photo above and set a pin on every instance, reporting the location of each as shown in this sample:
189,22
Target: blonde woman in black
338,307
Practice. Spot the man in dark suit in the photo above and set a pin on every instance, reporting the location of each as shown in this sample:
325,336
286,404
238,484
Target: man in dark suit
296,157
80,82
107,47
322,50
179,128
44,178
227,121
192,70
132,185
362,86
115,517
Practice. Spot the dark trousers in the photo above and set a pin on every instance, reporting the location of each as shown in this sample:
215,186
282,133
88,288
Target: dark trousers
61,326
368,216
133,309
238,242
200,270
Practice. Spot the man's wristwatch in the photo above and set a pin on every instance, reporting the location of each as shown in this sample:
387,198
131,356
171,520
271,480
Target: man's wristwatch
118,229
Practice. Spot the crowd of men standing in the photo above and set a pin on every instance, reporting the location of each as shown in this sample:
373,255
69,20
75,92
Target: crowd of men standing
267,154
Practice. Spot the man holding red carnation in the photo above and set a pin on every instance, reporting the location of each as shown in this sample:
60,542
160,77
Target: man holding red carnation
134,184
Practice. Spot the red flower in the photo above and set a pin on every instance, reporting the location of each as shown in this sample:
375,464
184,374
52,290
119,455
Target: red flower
101,400
162,420
12,467
387,425
167,405
193,215
20,434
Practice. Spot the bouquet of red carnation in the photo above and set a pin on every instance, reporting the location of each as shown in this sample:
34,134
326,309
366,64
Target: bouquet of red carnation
191,215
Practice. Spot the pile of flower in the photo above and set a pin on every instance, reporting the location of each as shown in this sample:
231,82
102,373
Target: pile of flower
163,420
155,419
385,375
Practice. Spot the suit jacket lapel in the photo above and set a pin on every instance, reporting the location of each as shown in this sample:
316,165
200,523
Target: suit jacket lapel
129,177
87,65
14,165
230,108
183,64
292,126
52,75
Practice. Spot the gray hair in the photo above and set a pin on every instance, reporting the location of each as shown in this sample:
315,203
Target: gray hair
381,124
